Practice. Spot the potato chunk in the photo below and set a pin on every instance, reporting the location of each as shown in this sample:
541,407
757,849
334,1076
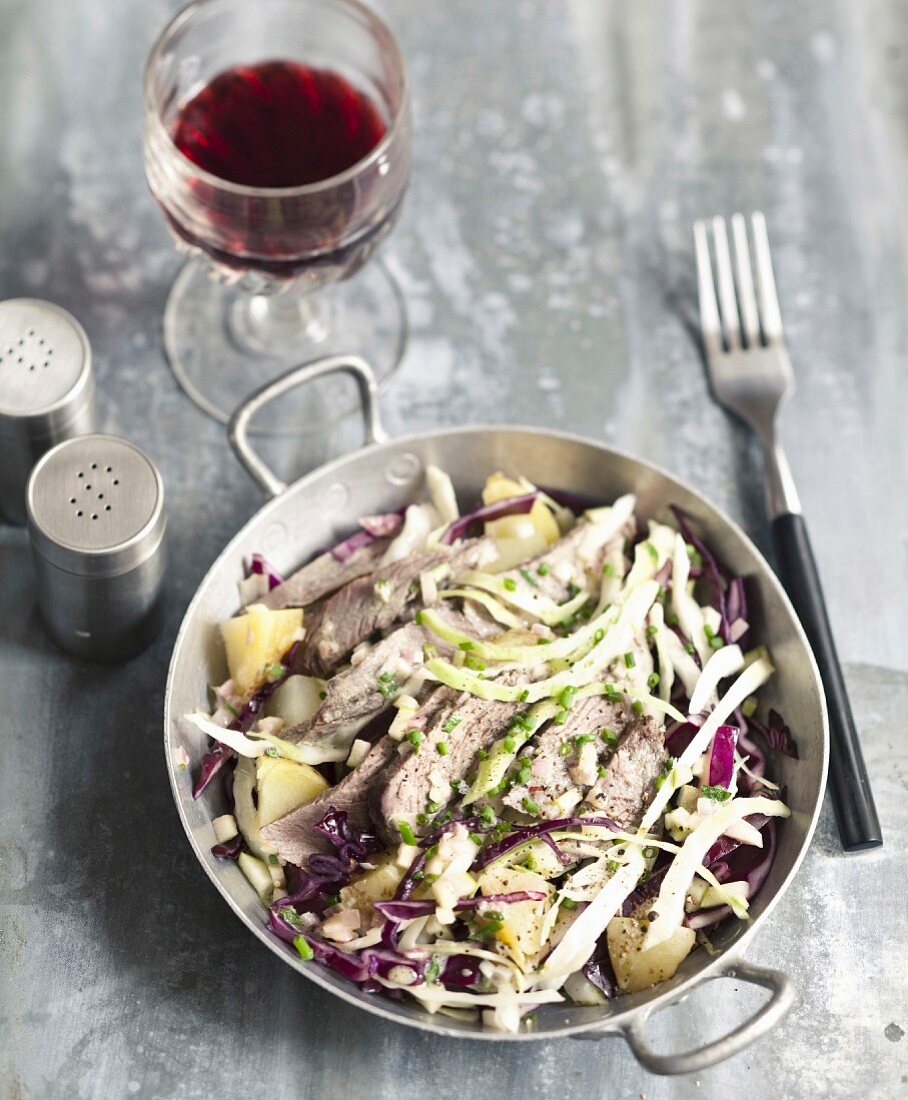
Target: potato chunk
522,919
637,969
257,640
282,785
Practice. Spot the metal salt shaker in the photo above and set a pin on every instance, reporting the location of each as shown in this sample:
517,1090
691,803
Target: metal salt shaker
97,524
46,390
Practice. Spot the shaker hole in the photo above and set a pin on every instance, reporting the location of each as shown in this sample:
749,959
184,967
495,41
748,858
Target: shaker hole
100,496
80,474
110,469
94,465
72,500
106,507
116,481
94,515
87,486
78,513
31,332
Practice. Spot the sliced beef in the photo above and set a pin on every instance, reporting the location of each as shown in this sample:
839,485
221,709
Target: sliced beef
573,562
404,787
293,835
629,783
560,765
375,602
324,575
357,694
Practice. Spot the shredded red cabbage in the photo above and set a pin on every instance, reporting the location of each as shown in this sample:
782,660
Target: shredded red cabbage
345,550
230,849
722,757
747,863
407,910
383,525
513,506
574,501
776,734
258,564
352,844
537,832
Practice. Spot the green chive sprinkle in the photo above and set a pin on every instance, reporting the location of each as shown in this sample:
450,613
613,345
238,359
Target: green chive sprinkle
415,738
653,552
689,646
716,643
422,819
465,646
718,794
598,636
609,737
406,832
323,695
529,578
442,747
560,718
488,815
530,807
637,707
567,697
652,631
612,865
608,570
630,660
432,807
671,619
568,903
708,631
302,946
649,853
482,754
510,744
565,749
543,569
510,584
451,723
652,681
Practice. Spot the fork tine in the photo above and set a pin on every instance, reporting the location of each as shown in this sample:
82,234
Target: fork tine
710,325
770,317
727,301
750,320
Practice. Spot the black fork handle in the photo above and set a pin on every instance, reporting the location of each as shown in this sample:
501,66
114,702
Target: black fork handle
852,799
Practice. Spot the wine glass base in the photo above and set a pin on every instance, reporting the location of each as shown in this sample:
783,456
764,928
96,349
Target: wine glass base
222,344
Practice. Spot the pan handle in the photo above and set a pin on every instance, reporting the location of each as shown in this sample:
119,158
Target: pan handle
693,1061
238,428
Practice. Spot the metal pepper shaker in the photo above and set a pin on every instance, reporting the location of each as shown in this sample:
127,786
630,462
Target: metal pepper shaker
46,390
97,525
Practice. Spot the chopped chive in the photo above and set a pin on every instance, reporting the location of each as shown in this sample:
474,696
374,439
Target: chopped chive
612,865
708,631
652,681
652,631
415,739
524,695
465,646
749,707
567,697
614,696
422,819
488,815
671,619
716,643
718,794
543,569
608,570
387,685
560,718
510,744
477,839
510,584
653,552
637,707
598,636
649,853
482,754
442,747
528,577
302,946
431,852
630,661
609,737
530,807
432,807
406,832
689,647
451,723
568,903
474,663
322,695
566,749
582,739
601,771
543,641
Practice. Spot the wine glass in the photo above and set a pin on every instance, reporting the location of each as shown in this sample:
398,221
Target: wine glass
277,144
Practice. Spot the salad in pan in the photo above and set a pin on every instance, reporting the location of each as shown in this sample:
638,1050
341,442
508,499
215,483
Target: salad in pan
495,760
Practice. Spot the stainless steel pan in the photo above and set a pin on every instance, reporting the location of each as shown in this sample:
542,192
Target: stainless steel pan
323,506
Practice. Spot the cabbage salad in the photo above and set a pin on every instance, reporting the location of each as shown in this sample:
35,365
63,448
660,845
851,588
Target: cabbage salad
496,760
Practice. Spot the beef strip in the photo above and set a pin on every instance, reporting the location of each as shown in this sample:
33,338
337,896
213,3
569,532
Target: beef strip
375,602
555,772
293,835
629,783
324,575
354,696
402,788
574,560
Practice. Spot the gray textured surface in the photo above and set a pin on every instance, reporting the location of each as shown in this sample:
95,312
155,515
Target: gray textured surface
562,150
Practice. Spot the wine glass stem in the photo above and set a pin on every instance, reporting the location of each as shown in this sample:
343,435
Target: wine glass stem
269,324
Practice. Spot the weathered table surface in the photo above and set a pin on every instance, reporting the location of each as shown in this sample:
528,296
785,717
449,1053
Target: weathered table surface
562,151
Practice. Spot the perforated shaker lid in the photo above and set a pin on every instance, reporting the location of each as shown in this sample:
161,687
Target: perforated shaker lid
45,366
96,506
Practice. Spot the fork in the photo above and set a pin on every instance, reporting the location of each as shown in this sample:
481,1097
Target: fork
750,374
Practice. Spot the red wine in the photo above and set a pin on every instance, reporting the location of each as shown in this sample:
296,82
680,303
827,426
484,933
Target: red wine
278,124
